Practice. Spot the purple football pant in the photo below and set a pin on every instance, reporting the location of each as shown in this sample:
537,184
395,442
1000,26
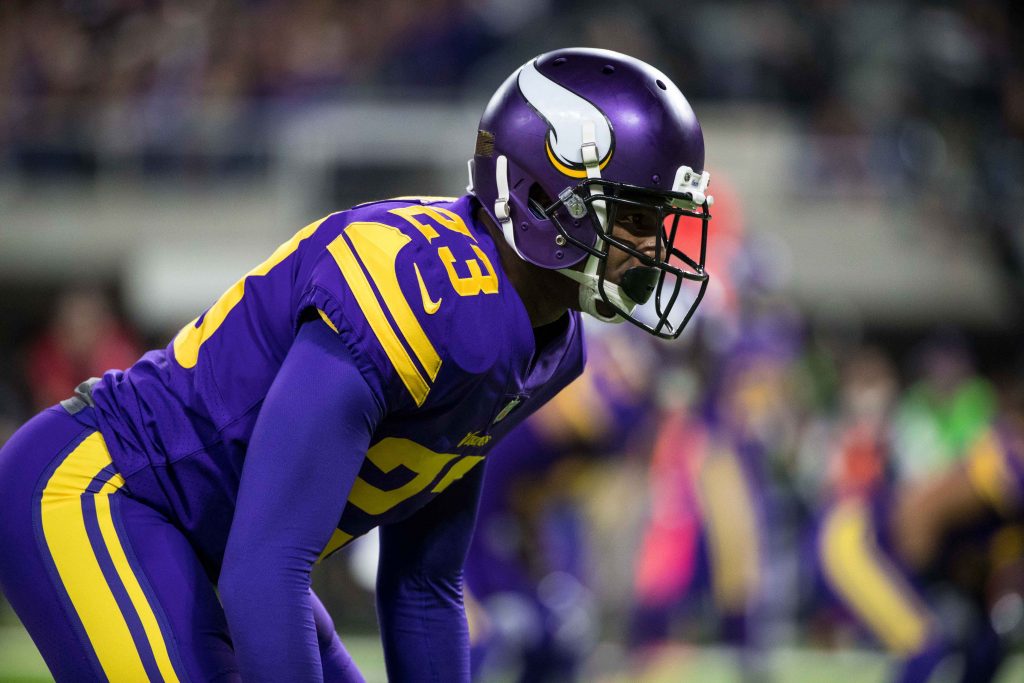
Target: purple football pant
109,588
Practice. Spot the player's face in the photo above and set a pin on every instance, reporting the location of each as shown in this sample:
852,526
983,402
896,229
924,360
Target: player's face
638,228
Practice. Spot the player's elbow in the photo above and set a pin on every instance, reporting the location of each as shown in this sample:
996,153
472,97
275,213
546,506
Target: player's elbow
238,587
242,583
251,572
443,588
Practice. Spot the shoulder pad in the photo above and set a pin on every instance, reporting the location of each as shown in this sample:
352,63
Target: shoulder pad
398,274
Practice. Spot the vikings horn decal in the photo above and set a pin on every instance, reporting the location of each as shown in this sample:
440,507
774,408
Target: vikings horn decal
564,111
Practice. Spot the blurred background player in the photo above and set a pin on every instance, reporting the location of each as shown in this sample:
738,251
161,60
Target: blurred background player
709,532
927,563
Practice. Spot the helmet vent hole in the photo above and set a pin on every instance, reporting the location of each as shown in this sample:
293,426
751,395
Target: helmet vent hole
558,62
608,70
661,84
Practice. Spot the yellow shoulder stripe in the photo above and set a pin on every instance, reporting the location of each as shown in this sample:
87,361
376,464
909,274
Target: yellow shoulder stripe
189,340
378,246
989,473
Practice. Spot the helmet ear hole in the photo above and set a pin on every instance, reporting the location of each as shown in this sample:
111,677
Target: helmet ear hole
538,200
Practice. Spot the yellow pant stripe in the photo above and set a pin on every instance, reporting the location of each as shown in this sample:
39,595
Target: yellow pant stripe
868,583
732,531
69,545
131,583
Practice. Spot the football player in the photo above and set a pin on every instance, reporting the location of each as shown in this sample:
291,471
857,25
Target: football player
711,496
880,555
162,524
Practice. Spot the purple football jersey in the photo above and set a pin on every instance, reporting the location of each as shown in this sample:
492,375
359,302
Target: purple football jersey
415,289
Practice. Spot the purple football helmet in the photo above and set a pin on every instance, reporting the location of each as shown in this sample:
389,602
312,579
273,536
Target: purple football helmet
579,140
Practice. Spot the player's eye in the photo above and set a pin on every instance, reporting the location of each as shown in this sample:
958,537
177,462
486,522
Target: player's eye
640,222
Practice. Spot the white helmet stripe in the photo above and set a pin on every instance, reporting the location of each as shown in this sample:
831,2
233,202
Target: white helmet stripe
565,112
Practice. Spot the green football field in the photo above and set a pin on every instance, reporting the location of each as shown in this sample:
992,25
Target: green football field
19,663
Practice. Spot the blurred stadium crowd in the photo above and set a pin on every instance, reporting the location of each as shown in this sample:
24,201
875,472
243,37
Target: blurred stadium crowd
921,101
926,93
676,493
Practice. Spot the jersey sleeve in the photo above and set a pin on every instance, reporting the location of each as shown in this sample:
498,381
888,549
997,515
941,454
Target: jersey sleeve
372,285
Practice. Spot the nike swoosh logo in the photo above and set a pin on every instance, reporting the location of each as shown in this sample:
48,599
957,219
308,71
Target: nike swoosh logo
429,306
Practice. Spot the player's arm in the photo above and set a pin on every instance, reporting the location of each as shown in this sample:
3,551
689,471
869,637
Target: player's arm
306,449
419,587
926,511
990,480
